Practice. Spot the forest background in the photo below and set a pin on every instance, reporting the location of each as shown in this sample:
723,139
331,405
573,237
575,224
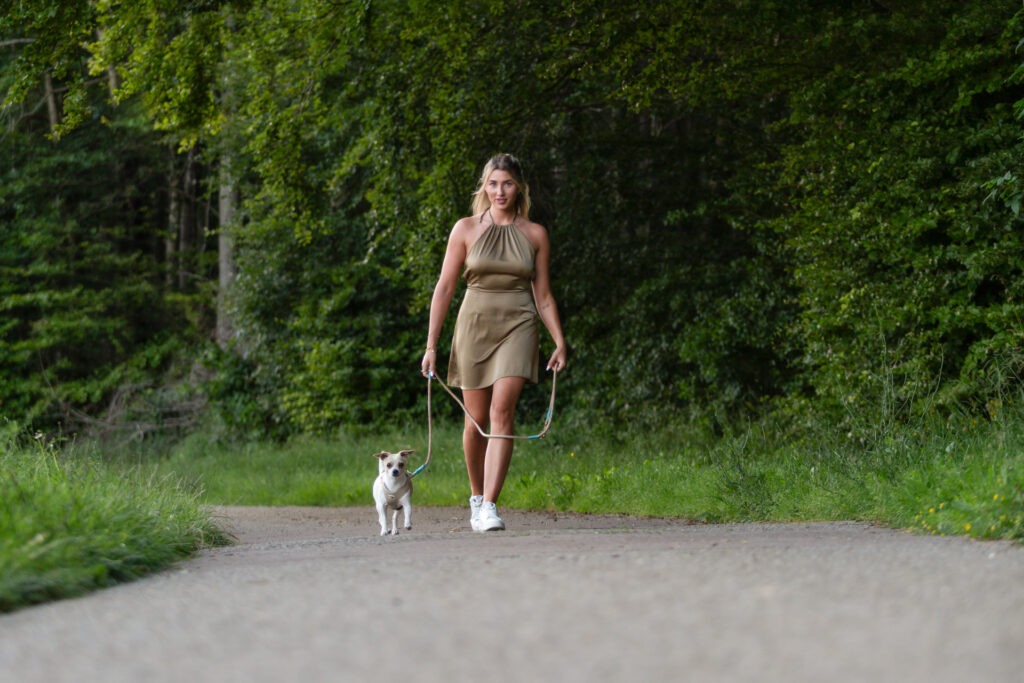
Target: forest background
229,215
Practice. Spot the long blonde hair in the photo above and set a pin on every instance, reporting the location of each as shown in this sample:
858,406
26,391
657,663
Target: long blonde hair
511,165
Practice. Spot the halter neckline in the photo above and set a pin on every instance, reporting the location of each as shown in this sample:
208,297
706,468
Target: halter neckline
494,222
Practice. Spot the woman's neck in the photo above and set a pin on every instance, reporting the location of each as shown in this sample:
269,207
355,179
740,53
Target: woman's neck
500,217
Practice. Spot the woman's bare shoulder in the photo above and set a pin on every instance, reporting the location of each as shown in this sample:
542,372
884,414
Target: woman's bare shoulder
460,229
466,224
463,223
537,233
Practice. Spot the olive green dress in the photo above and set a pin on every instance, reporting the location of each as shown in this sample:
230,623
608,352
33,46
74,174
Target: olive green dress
496,333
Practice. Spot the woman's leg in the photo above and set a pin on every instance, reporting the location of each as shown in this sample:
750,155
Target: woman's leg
478,404
498,456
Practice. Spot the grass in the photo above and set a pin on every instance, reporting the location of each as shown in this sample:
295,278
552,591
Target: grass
952,476
70,523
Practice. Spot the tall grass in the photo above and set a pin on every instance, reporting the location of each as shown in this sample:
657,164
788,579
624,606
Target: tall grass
950,475
70,523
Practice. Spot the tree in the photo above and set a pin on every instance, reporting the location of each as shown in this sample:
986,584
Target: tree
909,280
92,323
748,201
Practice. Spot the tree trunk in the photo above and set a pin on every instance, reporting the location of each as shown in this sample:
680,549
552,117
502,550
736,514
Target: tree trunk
173,220
113,81
229,199
187,221
228,205
51,102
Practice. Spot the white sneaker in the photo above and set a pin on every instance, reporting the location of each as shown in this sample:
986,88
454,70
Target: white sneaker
489,519
474,511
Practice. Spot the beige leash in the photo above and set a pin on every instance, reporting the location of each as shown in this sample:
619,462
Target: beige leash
430,419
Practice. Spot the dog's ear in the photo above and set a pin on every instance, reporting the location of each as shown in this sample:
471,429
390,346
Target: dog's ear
381,455
406,452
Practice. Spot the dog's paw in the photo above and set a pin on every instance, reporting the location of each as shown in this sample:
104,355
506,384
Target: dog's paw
408,528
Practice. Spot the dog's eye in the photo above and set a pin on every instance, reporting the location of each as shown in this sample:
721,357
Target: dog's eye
401,465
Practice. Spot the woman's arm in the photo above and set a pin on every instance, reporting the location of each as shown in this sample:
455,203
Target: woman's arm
444,290
547,308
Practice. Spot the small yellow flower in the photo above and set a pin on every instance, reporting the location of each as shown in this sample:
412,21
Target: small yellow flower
967,527
995,497
931,511
572,454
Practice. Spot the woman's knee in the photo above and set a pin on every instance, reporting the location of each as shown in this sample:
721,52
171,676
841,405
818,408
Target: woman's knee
502,414
471,430
503,410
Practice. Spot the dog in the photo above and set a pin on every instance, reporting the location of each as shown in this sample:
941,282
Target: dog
392,490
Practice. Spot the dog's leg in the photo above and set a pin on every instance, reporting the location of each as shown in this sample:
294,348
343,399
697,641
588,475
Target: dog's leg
394,522
382,517
407,506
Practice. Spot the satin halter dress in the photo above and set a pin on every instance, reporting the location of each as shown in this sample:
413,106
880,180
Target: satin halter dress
496,332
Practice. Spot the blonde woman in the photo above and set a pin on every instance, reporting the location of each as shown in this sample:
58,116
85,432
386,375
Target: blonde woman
505,259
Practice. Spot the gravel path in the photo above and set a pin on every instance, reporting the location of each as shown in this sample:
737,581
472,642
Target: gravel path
313,594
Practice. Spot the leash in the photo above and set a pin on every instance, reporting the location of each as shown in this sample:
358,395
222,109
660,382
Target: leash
430,419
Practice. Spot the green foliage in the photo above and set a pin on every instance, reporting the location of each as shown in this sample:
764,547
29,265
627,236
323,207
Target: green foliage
81,286
332,337
168,53
52,34
903,268
748,202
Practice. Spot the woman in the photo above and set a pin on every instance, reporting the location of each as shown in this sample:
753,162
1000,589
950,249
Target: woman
496,340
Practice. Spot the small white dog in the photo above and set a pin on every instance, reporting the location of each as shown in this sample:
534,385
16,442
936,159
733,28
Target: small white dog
392,490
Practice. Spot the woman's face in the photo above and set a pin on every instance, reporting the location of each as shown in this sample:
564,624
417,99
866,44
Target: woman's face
501,190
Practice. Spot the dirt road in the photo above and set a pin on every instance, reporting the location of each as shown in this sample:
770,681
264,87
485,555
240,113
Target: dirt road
315,595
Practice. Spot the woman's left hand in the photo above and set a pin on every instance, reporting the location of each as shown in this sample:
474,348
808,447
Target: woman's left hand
557,360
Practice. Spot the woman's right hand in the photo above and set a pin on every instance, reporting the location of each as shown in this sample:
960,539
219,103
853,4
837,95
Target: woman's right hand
429,364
